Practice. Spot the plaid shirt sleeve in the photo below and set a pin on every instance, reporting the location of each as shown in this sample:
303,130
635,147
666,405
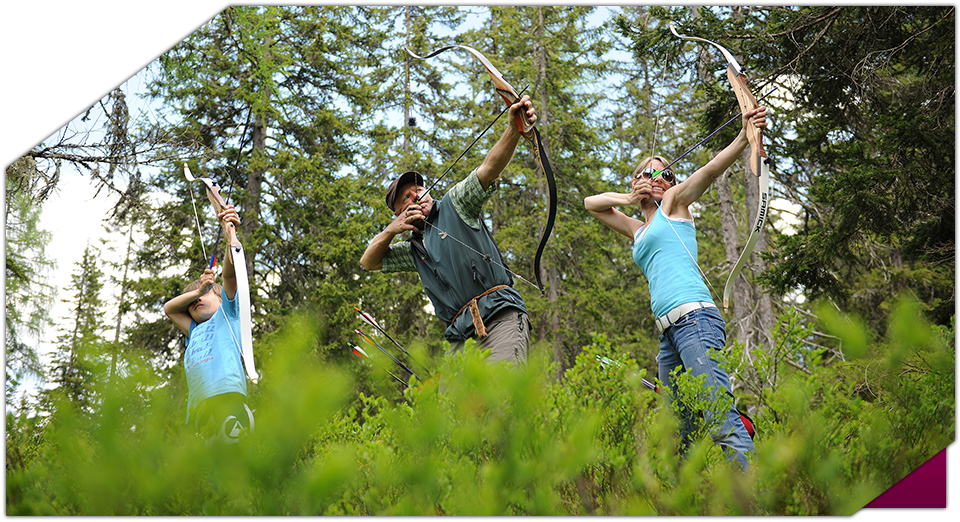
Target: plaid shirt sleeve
468,198
399,258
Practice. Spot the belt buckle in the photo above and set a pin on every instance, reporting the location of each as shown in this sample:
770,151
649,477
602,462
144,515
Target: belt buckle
660,320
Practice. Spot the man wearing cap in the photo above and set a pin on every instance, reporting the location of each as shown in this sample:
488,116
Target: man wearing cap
460,266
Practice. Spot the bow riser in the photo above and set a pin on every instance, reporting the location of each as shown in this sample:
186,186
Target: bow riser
747,102
213,195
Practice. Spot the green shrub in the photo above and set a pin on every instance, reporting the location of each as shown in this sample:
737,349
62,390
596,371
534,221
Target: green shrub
496,440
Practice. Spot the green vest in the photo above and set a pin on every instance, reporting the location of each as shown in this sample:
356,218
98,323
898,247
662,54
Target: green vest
452,274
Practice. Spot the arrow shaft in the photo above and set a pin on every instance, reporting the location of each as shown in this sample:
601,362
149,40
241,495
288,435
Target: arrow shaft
369,320
358,351
388,354
701,142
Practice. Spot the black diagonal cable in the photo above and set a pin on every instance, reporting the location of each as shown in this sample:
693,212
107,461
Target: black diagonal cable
236,165
115,85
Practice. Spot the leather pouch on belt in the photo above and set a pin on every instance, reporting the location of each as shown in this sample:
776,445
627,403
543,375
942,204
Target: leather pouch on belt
477,320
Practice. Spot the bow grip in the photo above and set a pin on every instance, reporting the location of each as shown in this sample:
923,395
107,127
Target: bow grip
510,97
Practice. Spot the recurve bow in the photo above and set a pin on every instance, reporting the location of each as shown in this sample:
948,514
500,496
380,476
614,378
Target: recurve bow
759,162
245,343
529,132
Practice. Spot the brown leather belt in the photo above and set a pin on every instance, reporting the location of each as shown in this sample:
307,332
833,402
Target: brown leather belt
475,312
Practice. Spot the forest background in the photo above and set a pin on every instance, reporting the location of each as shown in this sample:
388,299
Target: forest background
840,335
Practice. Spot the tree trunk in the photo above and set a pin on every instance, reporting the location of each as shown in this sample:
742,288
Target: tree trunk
751,310
258,168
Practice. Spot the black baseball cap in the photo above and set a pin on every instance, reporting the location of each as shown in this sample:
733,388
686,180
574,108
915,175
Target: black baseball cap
410,176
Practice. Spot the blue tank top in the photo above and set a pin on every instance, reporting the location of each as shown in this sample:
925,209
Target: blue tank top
212,358
667,258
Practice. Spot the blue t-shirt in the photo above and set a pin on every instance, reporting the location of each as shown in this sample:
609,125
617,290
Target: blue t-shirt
667,256
212,358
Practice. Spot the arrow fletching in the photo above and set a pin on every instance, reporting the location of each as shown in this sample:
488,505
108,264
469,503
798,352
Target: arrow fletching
606,361
363,355
367,319
358,351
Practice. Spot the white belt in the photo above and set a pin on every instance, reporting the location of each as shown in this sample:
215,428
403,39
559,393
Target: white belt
671,317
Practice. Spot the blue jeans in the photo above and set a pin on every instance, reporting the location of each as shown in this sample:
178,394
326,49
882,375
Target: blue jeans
689,344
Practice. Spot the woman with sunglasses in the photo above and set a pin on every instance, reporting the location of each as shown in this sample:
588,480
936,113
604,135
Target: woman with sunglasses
665,249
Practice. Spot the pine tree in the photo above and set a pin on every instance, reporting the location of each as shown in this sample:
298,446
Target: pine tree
78,358
28,295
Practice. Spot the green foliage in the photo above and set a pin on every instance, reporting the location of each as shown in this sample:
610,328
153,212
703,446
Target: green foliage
695,401
870,232
497,440
27,295
613,392
140,459
79,358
